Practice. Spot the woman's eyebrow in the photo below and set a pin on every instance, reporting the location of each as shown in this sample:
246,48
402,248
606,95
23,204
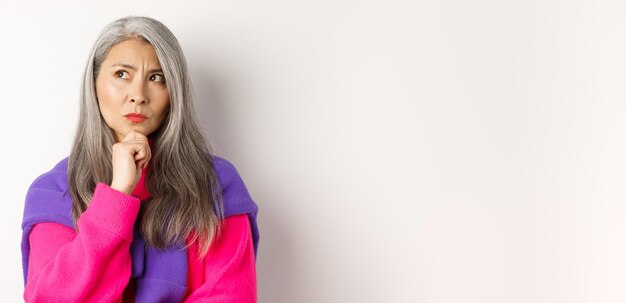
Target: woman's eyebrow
129,66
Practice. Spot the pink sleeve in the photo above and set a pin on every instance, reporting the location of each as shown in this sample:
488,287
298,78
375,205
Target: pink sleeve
93,265
229,266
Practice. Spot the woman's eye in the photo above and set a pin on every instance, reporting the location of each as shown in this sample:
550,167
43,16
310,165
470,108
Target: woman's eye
120,73
159,77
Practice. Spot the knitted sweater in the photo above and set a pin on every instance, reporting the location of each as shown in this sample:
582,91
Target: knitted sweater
95,264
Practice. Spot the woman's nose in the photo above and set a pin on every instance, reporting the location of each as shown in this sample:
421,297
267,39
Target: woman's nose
137,92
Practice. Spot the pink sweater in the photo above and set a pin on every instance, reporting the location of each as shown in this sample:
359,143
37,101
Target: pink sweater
95,265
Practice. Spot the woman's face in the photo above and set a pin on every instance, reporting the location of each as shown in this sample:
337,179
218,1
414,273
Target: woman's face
130,80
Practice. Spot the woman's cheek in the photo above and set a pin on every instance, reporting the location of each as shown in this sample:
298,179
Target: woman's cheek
115,89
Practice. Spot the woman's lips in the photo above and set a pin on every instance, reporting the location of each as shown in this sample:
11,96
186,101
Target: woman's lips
135,119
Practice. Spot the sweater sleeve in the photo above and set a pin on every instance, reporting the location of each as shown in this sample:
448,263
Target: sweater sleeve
93,265
229,266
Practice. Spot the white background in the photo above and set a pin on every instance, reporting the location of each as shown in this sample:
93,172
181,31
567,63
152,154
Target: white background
400,151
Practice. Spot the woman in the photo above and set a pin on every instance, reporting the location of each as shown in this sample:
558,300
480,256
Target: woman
140,210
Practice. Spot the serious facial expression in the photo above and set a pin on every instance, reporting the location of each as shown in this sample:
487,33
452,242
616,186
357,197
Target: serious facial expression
130,81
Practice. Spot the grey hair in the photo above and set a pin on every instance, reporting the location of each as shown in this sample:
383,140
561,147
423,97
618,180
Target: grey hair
185,194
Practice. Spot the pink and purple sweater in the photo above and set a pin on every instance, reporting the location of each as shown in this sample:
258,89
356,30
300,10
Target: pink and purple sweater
95,265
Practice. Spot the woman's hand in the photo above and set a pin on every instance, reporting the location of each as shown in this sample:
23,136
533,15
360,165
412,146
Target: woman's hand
130,156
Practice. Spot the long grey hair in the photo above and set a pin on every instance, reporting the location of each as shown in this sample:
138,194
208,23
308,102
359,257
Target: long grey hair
185,194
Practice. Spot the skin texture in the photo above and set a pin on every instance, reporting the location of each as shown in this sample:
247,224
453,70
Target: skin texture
138,87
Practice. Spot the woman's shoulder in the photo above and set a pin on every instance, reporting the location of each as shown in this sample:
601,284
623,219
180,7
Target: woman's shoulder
220,163
54,178
236,197
226,171
48,197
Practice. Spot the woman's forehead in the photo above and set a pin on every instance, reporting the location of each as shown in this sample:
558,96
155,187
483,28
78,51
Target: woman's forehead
133,54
